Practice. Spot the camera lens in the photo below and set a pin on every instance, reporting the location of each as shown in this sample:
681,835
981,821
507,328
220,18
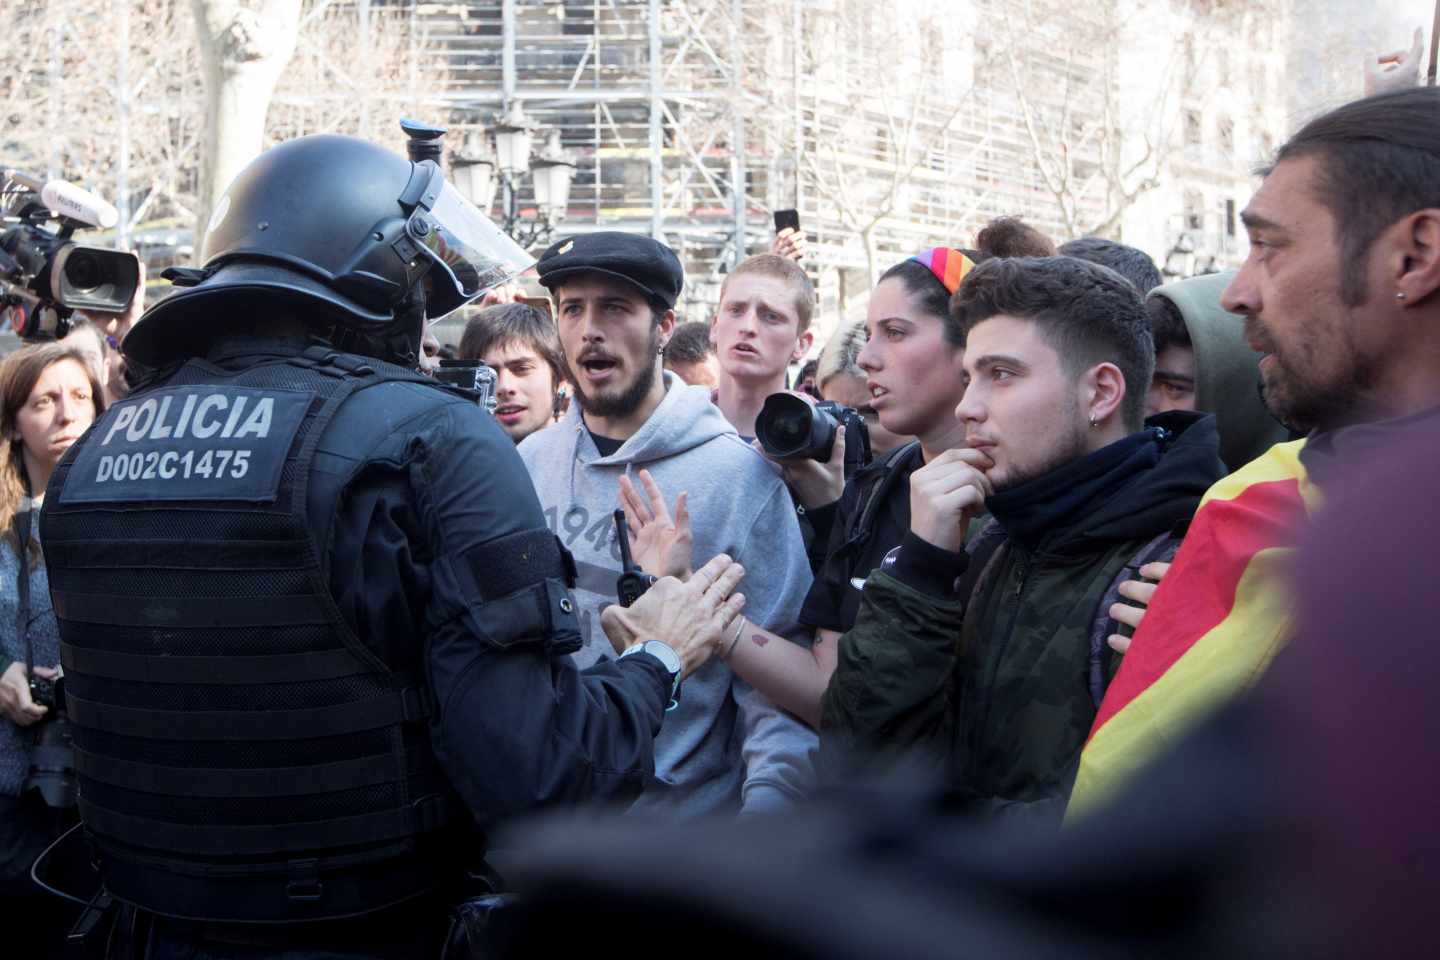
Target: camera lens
790,427
82,272
790,430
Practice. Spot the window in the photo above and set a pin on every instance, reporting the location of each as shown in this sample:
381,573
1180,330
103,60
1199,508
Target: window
1226,137
1192,128
1194,203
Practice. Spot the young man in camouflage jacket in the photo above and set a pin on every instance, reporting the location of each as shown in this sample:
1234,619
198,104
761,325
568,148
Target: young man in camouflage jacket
992,661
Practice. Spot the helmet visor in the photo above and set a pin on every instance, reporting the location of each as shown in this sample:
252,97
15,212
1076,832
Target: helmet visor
471,253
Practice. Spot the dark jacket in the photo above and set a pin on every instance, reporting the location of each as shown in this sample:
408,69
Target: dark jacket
994,682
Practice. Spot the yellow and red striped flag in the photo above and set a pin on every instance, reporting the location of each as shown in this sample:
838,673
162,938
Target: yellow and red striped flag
1217,620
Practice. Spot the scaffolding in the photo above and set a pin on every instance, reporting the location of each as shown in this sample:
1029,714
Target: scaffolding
692,120
647,94
890,125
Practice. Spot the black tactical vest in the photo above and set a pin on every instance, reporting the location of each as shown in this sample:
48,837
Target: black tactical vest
241,756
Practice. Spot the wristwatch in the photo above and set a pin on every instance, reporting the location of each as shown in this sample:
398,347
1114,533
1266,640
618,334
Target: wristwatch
668,658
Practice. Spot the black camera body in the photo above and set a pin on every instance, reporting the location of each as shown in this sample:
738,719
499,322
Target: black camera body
44,275
791,428
52,758
42,691
470,375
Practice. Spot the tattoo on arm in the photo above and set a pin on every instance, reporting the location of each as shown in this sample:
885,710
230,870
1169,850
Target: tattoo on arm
760,639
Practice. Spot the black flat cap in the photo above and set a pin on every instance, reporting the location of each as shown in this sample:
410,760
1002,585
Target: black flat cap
638,260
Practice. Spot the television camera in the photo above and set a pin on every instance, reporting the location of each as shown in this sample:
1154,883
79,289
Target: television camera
45,276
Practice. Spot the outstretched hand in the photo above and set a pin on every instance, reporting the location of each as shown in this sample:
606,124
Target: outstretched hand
662,545
690,617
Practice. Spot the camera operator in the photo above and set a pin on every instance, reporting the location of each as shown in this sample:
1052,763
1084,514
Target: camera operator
49,396
915,382
314,628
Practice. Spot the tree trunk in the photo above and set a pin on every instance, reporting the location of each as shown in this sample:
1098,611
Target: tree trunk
244,47
872,253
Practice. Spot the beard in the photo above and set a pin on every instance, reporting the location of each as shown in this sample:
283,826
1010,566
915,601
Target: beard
1292,390
623,400
1069,446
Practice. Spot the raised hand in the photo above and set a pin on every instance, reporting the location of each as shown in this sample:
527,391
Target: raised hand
1397,70
789,243
505,293
662,545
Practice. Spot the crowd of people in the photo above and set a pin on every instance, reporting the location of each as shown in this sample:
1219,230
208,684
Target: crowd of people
306,694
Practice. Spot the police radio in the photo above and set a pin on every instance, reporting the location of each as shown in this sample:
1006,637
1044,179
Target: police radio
470,375
633,580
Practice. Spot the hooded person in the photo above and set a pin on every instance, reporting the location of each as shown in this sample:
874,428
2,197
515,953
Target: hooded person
724,746
1202,362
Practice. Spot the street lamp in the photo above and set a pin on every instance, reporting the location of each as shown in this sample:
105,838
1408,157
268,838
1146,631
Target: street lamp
512,143
552,170
473,170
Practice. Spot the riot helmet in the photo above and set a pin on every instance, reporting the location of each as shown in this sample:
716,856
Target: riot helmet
346,236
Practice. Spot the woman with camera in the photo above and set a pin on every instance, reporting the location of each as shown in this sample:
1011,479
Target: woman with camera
49,396
915,380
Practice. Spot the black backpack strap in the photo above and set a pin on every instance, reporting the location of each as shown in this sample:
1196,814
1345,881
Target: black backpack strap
1103,625
882,487
885,473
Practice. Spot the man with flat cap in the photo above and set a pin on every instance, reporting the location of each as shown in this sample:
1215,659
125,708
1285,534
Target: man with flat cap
724,747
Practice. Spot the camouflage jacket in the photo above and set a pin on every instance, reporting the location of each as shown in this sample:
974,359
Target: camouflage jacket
992,680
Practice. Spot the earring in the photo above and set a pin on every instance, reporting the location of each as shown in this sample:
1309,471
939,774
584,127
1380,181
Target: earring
1400,296
1093,424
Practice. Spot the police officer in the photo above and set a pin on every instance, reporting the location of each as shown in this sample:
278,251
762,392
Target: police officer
314,626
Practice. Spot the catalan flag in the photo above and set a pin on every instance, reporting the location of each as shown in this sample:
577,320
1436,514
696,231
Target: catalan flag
1217,620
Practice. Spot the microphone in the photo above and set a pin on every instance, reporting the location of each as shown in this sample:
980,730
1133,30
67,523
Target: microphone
71,201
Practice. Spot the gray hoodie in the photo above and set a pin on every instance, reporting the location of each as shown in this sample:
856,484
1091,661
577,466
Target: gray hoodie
725,745
1227,371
